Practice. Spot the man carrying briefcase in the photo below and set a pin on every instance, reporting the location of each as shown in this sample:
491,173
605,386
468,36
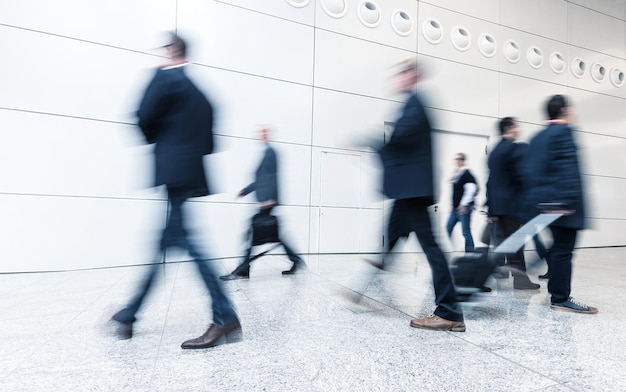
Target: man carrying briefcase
264,225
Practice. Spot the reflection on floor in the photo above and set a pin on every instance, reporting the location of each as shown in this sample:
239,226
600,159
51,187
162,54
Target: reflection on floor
339,326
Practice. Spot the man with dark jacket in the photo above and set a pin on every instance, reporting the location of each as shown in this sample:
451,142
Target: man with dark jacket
504,196
553,178
265,187
408,179
178,119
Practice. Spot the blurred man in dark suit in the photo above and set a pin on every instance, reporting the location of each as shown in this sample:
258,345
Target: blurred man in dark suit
407,160
265,187
552,177
178,119
504,196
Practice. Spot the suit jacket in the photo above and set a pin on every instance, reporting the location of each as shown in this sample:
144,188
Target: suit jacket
178,119
265,183
553,174
504,186
407,156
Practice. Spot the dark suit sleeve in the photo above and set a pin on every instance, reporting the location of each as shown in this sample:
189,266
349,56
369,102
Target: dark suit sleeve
565,153
412,118
153,106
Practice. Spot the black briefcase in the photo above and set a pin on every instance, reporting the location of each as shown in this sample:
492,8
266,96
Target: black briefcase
264,229
471,271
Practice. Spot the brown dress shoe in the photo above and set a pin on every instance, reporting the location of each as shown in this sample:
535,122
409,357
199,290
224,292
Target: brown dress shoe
436,323
215,336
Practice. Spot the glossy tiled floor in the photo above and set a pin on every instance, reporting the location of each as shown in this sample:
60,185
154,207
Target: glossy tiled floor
305,333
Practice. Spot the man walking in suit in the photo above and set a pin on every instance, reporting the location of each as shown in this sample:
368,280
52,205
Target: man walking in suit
504,196
407,160
553,176
178,119
464,190
265,187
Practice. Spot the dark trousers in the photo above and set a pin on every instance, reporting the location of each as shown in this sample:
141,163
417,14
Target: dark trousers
175,234
414,215
244,267
560,262
504,226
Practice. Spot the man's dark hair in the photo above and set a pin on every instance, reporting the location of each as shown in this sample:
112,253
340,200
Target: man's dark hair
506,124
555,106
177,45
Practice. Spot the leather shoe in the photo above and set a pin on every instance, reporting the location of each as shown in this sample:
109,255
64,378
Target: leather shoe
545,276
522,282
484,289
123,331
436,323
298,265
214,336
236,275
376,264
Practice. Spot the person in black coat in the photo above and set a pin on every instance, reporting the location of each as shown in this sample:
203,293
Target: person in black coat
265,187
407,160
504,196
178,119
552,177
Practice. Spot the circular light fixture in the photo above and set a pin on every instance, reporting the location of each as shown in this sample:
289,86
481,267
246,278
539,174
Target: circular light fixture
534,55
432,31
402,23
369,14
335,8
578,67
557,62
616,76
487,45
598,72
512,51
461,38
298,3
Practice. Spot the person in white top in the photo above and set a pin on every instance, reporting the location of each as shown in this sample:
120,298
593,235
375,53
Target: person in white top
464,189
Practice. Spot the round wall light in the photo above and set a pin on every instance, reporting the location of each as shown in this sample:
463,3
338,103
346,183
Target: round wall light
512,51
461,38
487,45
557,62
369,14
335,8
534,55
298,3
401,23
598,72
432,31
578,67
616,76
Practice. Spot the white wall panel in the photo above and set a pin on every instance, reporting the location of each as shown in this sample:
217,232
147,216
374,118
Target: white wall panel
547,18
381,32
242,102
595,31
602,155
525,98
303,11
257,43
51,74
460,88
352,65
340,119
445,49
602,232
44,233
586,81
604,197
598,113
483,9
463,123
127,24
615,8
522,67
44,154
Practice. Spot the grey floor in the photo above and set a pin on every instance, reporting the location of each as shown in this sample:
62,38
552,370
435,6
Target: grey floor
307,333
